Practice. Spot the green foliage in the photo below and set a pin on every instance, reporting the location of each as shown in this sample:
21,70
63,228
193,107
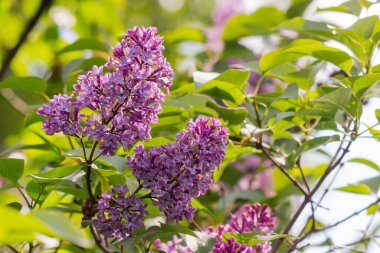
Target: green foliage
11,169
28,84
84,43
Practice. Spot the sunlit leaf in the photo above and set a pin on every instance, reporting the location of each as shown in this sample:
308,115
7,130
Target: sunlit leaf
365,162
11,169
305,47
356,188
83,44
32,84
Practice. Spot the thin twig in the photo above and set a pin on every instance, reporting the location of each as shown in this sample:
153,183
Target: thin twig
98,241
12,248
282,169
28,28
308,198
24,197
349,217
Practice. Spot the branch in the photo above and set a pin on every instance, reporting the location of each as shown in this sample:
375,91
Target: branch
332,165
28,28
99,242
282,169
349,217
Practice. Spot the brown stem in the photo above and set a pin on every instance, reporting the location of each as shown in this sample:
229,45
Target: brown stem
333,164
350,216
99,242
88,181
282,169
28,28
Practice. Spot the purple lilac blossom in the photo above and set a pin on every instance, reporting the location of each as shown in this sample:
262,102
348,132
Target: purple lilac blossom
124,95
172,246
62,116
182,170
119,215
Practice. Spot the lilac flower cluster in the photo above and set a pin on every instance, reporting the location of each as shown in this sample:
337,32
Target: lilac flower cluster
182,170
62,115
119,215
173,246
231,246
250,218
124,95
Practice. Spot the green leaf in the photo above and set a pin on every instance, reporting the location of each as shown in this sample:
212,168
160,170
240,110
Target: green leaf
33,118
83,44
353,7
297,8
365,162
233,116
316,142
11,169
222,89
16,228
232,153
234,76
148,235
258,23
232,197
156,142
62,227
199,206
373,183
115,161
340,98
32,84
252,239
362,29
184,33
356,188
306,47
176,228
361,84
38,192
372,209
87,64
307,27
68,173
377,114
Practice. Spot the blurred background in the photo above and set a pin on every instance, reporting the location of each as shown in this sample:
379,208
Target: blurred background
70,36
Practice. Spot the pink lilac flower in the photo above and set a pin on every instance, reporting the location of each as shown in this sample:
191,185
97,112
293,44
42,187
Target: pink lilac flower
182,170
250,218
253,217
172,246
119,215
124,95
223,11
231,246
